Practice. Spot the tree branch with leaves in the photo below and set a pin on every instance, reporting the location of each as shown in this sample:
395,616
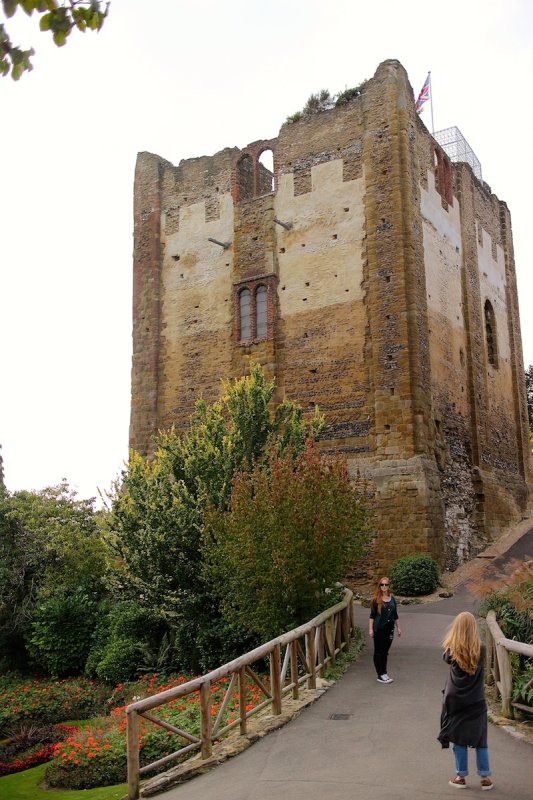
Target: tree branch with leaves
58,18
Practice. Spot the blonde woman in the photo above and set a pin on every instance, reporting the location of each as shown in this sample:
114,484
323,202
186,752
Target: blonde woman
464,709
383,618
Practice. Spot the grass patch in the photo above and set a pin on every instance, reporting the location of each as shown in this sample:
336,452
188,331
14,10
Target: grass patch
350,654
26,786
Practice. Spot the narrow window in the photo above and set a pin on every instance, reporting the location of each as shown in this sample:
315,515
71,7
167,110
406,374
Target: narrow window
261,311
245,318
245,178
490,333
266,172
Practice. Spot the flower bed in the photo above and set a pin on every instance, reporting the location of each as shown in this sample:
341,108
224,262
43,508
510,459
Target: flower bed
27,757
96,756
48,702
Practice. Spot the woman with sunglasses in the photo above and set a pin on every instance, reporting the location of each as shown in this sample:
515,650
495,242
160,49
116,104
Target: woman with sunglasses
383,618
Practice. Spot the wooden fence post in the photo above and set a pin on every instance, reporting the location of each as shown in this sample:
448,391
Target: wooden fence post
294,668
311,658
506,678
489,658
242,699
133,755
205,719
275,679
321,649
346,624
329,630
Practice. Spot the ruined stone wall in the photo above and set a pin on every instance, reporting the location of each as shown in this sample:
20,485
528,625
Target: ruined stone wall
372,258
479,447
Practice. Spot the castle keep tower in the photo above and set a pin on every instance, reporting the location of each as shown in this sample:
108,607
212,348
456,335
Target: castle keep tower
368,275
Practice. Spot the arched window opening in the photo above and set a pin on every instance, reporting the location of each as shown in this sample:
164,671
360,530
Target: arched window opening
245,178
261,311
265,172
490,334
245,315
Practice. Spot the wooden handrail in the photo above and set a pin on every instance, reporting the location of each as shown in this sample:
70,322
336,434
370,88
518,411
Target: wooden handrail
325,636
499,662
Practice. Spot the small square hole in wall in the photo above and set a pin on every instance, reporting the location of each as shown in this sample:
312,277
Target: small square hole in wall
392,390
176,258
334,236
307,283
346,208
282,250
387,427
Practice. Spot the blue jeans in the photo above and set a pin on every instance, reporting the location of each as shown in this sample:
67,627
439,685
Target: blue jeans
461,760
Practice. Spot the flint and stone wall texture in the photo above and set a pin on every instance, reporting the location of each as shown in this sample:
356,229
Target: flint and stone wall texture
391,302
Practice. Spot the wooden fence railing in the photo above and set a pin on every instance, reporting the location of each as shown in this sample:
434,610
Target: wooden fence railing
308,649
499,664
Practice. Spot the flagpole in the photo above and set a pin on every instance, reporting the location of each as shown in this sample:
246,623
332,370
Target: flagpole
431,99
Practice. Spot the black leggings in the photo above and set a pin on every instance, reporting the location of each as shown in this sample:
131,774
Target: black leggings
382,641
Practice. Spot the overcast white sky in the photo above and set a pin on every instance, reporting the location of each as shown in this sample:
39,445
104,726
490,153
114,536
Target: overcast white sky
185,79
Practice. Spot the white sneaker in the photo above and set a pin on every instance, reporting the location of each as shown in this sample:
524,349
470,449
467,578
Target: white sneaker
384,679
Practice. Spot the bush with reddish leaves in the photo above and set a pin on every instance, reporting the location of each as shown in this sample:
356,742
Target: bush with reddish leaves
30,746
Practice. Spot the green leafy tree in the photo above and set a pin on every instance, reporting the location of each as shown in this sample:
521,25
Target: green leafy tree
62,629
49,541
291,533
158,513
58,18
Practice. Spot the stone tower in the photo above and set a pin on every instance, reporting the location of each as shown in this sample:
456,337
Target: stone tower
368,275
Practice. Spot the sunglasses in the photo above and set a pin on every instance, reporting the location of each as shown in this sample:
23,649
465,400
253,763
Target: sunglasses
384,584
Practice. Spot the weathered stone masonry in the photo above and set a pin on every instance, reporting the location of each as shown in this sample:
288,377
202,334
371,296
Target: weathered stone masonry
385,277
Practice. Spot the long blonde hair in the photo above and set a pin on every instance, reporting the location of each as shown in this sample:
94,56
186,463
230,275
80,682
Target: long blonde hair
463,642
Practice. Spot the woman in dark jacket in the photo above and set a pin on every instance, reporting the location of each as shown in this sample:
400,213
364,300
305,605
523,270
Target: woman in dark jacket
383,618
464,708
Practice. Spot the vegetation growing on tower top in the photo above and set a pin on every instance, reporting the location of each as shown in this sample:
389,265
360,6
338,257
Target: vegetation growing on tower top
324,100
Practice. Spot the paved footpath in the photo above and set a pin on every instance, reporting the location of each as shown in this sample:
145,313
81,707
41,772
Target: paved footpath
386,749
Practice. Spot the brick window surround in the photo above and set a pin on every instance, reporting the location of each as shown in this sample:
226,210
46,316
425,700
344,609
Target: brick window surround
269,282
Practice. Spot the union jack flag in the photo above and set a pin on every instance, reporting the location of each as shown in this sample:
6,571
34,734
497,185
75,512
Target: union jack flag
423,97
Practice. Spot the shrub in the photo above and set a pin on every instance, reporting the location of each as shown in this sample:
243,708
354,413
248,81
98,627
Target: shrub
296,117
343,98
414,575
30,745
511,597
128,638
48,702
293,530
523,688
61,631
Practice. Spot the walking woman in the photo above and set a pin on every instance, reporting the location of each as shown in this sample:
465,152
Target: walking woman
464,708
383,618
